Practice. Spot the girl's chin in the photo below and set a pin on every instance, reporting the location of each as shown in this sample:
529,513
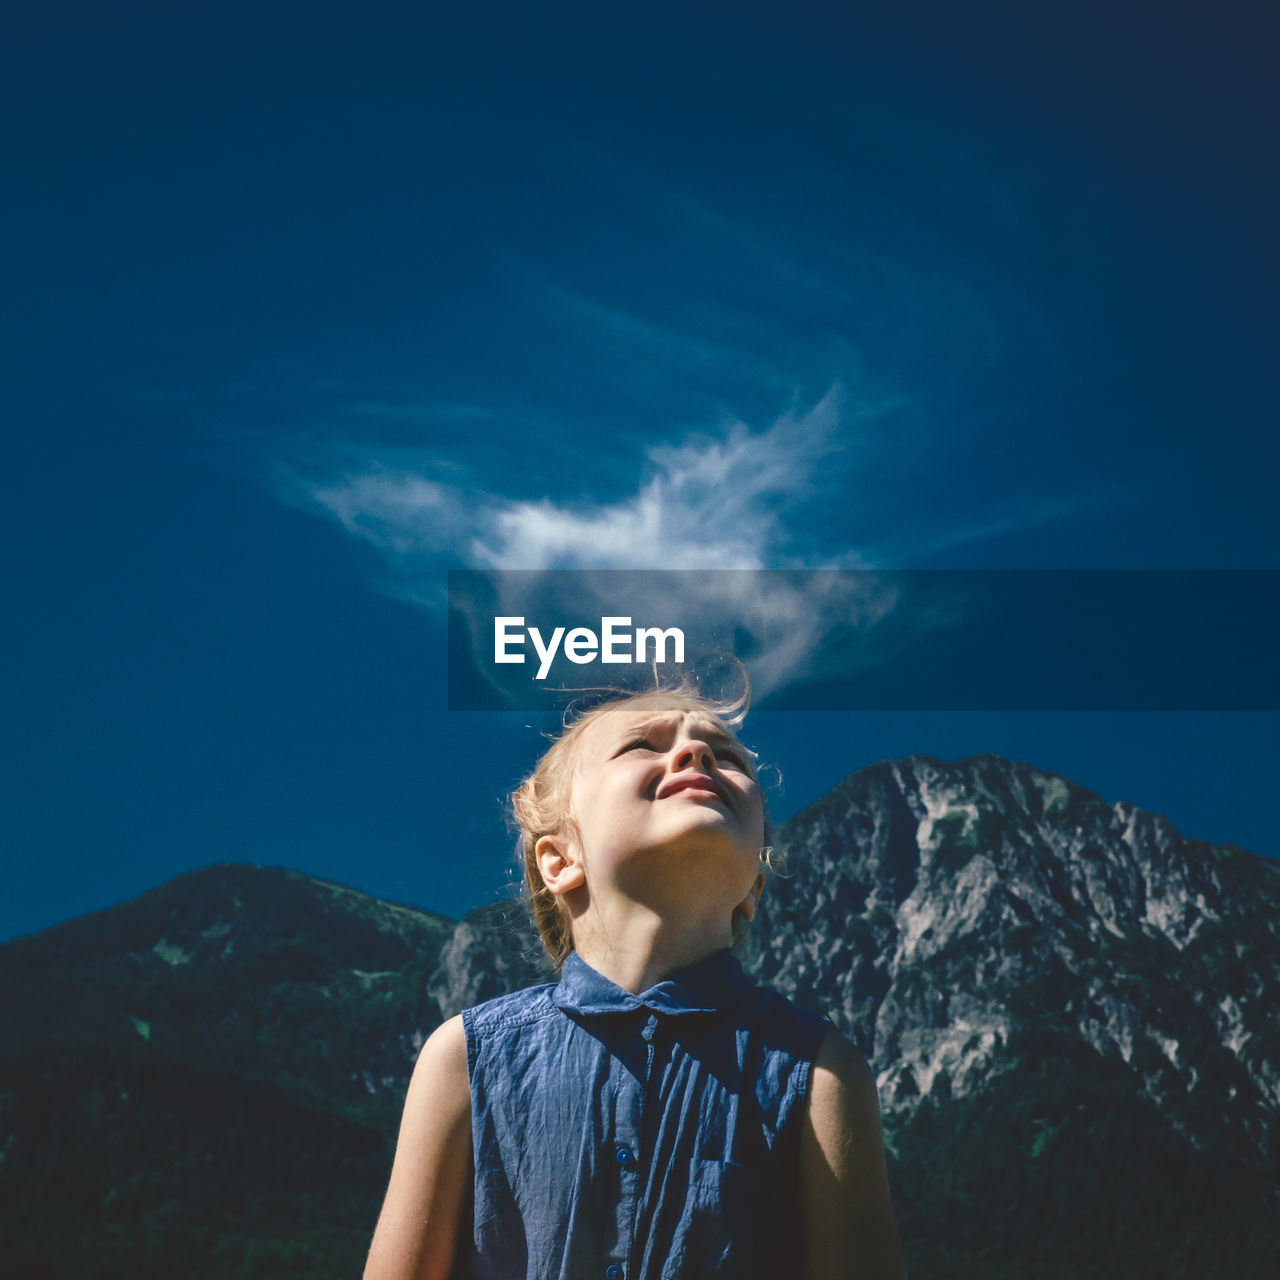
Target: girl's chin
698,856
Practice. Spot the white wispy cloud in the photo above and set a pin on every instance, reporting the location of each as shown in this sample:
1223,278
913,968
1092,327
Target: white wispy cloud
705,502
732,508
731,499
713,500
831,483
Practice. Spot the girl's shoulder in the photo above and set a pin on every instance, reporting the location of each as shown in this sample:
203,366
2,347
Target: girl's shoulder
514,1009
803,1028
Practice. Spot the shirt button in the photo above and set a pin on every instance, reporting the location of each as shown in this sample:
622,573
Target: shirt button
613,1272
626,1158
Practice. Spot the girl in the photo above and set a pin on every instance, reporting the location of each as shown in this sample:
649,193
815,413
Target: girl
654,1115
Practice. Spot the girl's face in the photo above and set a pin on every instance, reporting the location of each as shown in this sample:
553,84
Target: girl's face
665,801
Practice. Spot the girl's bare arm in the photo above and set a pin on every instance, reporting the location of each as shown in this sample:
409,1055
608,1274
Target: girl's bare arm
849,1227
418,1229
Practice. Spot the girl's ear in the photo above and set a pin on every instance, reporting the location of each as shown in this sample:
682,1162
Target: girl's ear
559,864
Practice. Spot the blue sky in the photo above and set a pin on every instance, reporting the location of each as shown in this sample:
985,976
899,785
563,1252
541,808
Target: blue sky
307,305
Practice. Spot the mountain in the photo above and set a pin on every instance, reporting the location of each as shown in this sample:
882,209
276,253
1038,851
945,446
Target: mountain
937,909
1071,1012
206,1081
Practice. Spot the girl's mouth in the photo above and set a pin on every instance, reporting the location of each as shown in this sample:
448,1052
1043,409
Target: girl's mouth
696,784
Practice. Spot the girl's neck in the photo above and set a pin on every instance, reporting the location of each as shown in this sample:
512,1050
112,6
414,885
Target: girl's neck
636,948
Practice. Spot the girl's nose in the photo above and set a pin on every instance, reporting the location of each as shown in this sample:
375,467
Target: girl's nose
693,753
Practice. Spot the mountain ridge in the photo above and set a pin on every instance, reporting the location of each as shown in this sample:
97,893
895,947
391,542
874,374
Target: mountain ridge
1068,1006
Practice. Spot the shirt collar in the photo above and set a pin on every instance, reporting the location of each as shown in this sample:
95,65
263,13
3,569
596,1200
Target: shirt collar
715,982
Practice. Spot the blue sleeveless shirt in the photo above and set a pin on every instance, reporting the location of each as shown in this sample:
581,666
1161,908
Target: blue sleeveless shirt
638,1137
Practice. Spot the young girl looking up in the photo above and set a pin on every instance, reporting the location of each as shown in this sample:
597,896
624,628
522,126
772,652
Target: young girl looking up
654,1115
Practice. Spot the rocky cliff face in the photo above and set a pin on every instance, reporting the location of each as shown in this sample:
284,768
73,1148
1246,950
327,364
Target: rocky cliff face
936,910
493,951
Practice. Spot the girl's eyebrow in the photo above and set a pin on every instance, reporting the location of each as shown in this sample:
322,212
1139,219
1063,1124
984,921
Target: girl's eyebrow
641,729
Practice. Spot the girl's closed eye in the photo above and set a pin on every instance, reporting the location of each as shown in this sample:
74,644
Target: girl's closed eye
725,753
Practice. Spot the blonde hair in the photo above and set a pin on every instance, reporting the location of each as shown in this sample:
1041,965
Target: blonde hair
540,804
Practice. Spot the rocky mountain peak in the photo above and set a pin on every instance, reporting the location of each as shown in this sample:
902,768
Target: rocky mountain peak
933,910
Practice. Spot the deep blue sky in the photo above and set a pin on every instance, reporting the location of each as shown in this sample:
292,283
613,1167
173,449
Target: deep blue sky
306,303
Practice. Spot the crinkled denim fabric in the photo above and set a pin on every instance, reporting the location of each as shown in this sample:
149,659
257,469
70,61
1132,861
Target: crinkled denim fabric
638,1137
